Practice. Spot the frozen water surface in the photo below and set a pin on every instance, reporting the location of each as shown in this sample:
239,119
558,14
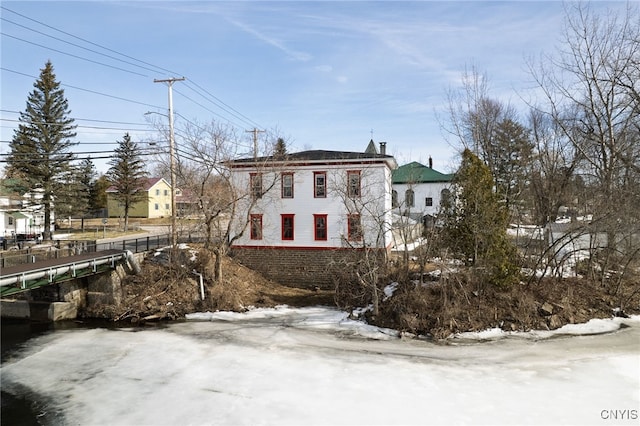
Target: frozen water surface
314,366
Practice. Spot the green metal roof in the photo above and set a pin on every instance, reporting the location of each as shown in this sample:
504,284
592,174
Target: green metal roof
418,173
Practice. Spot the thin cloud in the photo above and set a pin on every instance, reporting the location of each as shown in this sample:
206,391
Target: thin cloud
294,54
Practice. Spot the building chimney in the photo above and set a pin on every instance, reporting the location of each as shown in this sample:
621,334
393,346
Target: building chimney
383,148
430,162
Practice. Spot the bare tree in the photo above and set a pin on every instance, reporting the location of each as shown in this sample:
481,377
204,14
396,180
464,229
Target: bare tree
552,169
224,209
590,87
489,129
368,230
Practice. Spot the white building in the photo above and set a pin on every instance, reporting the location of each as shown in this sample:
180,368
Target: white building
21,217
418,191
308,208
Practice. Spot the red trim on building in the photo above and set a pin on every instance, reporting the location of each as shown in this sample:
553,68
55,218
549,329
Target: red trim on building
354,227
320,228
316,187
301,248
354,189
282,185
256,227
255,184
307,164
288,228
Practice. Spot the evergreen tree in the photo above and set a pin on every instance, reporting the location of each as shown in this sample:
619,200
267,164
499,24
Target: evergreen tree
39,151
475,222
69,198
511,156
72,199
127,175
280,148
86,179
83,188
98,198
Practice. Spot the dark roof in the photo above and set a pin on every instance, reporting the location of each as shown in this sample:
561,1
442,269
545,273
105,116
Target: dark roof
316,155
371,148
418,173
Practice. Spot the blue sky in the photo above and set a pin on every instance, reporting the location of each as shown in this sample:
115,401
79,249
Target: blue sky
325,74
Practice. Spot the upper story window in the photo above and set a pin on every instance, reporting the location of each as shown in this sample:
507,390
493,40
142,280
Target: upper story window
256,185
353,183
320,227
409,198
166,192
319,184
287,185
256,227
157,192
394,198
428,202
354,227
287,226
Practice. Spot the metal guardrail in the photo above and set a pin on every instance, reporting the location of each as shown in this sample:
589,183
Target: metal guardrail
65,248
77,266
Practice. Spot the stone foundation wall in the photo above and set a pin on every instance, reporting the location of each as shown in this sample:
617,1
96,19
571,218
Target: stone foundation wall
302,268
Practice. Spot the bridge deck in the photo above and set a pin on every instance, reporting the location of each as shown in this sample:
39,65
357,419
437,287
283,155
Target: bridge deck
51,263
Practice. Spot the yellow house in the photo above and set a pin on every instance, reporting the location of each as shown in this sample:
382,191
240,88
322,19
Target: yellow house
157,203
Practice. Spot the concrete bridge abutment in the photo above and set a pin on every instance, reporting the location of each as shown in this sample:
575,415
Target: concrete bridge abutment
67,300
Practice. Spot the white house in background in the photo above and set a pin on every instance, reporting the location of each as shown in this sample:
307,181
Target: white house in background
22,217
418,191
309,208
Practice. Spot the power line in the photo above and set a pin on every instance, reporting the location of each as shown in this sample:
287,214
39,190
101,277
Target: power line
86,41
84,90
208,97
204,107
217,102
73,44
71,54
11,120
78,158
86,119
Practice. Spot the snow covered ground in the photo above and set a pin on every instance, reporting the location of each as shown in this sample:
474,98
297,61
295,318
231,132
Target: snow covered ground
314,366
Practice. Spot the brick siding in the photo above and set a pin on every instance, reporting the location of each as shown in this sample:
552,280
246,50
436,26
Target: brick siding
301,268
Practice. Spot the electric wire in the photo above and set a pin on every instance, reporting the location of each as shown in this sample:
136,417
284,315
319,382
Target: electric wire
212,99
71,54
85,90
75,45
85,40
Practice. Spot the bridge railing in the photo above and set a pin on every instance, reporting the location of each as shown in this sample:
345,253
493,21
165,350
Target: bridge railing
64,248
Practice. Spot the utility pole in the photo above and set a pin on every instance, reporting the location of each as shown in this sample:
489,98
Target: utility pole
172,160
255,140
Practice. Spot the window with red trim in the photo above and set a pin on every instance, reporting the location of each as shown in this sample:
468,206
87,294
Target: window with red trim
320,184
320,227
255,181
286,180
354,227
353,183
256,226
287,226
